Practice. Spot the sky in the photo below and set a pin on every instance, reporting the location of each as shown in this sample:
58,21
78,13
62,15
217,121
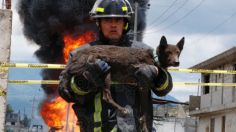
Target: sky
208,28
207,25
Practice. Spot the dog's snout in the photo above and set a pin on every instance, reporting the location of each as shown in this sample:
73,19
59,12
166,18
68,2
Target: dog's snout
176,64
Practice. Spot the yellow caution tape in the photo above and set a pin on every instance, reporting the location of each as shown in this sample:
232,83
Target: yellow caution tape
2,92
204,84
22,65
175,83
62,66
33,82
203,71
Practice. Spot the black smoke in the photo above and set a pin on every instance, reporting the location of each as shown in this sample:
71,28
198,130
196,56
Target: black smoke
47,21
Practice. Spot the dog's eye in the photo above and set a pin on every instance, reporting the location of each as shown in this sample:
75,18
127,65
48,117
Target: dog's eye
168,52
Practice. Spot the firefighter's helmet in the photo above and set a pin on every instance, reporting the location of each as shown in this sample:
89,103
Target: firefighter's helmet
111,8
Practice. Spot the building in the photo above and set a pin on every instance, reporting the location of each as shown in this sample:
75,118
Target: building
14,123
216,107
172,116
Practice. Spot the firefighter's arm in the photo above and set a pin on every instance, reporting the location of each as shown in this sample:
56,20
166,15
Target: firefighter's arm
64,88
80,79
156,78
163,83
68,77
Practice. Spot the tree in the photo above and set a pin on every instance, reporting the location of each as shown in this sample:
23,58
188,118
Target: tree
9,109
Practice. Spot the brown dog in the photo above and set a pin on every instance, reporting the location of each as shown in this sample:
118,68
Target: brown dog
168,54
124,62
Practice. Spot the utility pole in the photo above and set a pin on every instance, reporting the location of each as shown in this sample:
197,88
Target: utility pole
67,118
33,108
136,20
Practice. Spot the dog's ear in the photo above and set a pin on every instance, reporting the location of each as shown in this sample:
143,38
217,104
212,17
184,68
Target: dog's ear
163,42
180,44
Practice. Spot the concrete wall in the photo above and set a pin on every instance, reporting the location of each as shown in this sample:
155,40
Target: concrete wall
216,97
222,99
227,96
205,101
230,121
194,102
219,95
169,126
5,37
218,124
204,124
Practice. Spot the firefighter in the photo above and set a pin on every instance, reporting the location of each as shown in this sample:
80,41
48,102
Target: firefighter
93,113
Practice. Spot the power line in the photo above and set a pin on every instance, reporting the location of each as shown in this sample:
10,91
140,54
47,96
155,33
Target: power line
177,21
216,27
163,13
173,13
145,32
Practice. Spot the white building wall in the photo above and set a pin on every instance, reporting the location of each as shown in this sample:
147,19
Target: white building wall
218,123
219,95
205,101
215,91
5,41
204,124
231,122
220,102
227,95
164,126
216,97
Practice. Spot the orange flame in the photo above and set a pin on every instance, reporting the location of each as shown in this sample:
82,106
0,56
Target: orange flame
55,115
55,112
51,112
73,43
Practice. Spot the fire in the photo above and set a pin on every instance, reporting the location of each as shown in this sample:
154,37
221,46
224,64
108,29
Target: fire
57,113
51,112
72,43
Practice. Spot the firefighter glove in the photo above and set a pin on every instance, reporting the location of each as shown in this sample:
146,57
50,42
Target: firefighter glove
92,77
96,72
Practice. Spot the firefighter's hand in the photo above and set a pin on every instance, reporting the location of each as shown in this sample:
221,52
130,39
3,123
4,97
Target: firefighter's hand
146,76
93,76
96,72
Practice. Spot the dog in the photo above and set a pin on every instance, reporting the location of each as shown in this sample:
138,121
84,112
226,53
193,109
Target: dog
168,54
124,62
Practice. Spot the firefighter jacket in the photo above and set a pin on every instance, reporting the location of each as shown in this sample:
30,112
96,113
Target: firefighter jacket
94,114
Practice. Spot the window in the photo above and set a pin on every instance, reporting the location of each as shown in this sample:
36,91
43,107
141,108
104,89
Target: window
206,79
13,123
212,127
223,124
234,81
216,75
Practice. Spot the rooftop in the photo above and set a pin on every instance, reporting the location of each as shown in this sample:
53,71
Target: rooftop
226,57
